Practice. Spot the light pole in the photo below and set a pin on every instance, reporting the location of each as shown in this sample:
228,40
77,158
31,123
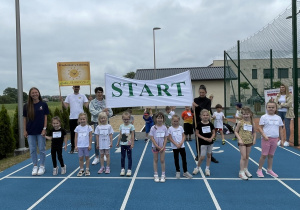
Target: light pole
156,28
22,147
155,75
295,67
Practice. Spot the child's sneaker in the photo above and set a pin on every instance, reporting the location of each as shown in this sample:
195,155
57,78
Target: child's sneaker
187,175
81,172
146,140
122,172
63,170
270,172
87,172
207,172
156,179
196,171
248,174
95,161
259,173
101,170
128,173
233,139
162,178
107,170
279,142
214,139
55,171
177,175
223,141
286,144
34,170
242,175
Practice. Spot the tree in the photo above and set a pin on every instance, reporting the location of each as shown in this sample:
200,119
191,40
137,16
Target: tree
277,84
130,75
13,94
7,140
244,86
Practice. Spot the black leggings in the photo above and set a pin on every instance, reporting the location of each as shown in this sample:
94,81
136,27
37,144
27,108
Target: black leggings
58,151
183,158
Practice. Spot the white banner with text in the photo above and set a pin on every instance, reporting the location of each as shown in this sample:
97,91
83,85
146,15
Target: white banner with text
175,90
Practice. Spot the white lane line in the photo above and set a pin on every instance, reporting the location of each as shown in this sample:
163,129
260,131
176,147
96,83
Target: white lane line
133,179
212,195
278,179
21,168
142,128
290,151
258,148
60,183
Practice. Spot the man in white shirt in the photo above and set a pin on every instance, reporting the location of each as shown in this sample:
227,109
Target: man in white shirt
76,101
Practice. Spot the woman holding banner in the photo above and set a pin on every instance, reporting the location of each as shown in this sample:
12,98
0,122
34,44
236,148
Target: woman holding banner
202,102
284,101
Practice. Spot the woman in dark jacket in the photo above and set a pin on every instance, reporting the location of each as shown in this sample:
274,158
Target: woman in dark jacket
202,102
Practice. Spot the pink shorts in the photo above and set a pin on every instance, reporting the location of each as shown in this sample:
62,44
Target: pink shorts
268,147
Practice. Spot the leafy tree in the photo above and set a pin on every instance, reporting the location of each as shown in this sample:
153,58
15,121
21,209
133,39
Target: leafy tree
65,117
7,140
6,100
276,84
15,128
244,86
13,94
130,75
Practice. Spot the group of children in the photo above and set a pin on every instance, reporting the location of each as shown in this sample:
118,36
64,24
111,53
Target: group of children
270,127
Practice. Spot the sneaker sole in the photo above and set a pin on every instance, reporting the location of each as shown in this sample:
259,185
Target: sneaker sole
260,176
272,175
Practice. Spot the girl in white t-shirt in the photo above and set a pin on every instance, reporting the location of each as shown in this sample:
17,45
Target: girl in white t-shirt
159,135
104,133
270,127
177,138
83,143
218,117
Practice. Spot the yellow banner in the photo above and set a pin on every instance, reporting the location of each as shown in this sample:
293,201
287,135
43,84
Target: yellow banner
73,73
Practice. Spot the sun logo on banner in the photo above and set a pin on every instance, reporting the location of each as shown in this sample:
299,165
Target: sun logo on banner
74,73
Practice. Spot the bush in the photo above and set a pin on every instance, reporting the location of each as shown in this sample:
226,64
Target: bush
7,140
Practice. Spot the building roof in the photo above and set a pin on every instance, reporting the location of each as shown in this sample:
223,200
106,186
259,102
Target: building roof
197,73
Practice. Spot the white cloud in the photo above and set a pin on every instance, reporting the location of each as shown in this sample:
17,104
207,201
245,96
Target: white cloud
116,36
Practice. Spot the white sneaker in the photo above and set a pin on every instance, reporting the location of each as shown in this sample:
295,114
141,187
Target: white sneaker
63,170
55,171
247,173
35,170
105,159
242,175
177,175
41,170
196,171
128,173
122,172
163,178
95,161
207,172
187,175
286,144
278,143
156,179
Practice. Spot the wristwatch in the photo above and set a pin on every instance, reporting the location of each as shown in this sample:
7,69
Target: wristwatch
44,128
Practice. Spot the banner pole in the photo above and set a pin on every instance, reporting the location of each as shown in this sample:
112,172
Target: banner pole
196,139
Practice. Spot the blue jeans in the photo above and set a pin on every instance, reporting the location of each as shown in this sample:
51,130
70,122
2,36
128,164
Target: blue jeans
126,149
41,141
94,140
287,122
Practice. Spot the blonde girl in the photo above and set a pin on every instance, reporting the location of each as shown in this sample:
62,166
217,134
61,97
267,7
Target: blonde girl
126,140
159,135
270,127
246,135
104,133
284,101
83,143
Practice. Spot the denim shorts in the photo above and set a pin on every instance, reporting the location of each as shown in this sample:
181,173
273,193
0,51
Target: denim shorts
83,152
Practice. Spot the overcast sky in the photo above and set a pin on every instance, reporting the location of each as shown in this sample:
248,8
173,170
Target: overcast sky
116,35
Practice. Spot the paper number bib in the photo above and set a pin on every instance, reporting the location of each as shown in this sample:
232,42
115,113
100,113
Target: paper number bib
206,129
